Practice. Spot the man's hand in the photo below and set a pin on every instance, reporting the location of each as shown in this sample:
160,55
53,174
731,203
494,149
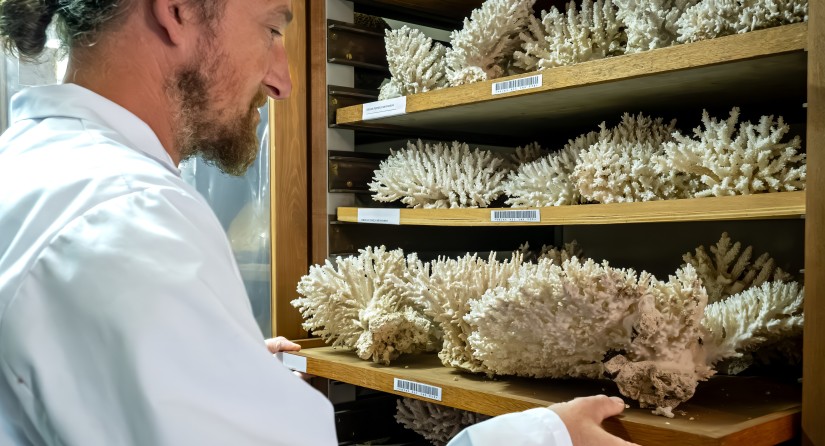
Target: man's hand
281,344
583,418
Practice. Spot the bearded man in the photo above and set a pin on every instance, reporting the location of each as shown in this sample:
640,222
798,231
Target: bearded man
123,317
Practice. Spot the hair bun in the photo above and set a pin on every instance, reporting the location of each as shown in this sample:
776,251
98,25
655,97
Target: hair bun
23,25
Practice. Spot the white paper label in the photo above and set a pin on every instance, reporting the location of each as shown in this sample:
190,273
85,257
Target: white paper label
522,83
520,216
382,109
379,216
293,362
412,387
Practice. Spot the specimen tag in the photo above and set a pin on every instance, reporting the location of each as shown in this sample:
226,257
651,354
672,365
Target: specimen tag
523,83
382,109
513,216
431,392
379,216
293,362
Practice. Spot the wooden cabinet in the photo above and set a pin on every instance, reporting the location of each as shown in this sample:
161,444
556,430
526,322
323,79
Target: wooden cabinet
780,67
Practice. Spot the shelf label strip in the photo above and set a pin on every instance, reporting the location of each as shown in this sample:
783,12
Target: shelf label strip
522,83
382,109
379,216
414,388
516,216
293,362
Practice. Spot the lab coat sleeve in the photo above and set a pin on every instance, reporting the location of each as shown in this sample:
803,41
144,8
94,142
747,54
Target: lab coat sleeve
534,427
133,328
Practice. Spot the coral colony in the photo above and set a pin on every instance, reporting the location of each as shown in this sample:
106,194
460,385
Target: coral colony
569,316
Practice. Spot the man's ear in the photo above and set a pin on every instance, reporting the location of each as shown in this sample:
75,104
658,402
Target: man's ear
170,15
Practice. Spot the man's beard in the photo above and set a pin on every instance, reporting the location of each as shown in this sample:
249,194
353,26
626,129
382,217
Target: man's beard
231,145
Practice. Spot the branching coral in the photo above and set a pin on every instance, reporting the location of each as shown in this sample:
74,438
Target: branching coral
715,18
436,423
728,273
445,289
650,24
626,164
554,321
755,159
484,47
439,176
526,154
555,255
593,32
357,305
759,316
416,64
546,181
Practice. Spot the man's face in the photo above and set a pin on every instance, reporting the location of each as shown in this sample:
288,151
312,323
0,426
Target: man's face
240,61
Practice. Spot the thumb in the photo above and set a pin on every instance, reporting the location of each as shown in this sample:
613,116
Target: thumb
602,406
281,344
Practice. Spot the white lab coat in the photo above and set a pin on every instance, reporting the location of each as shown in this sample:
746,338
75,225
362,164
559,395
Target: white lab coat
123,317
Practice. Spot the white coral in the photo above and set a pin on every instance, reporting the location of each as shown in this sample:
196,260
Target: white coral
759,316
555,255
730,161
445,288
627,164
650,24
357,305
728,273
416,64
439,176
484,47
715,18
436,423
593,32
546,181
526,154
554,321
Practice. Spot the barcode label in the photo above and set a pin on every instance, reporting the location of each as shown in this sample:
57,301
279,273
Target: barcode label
379,216
293,362
517,84
431,392
528,216
385,108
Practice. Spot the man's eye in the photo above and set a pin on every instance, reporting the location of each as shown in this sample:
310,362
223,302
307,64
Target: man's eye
275,32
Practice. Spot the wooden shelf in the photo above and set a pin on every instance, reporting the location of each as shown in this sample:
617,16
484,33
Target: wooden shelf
743,207
764,66
441,13
724,411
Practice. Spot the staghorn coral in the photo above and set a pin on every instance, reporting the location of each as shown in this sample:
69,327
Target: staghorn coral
439,176
627,164
445,288
416,64
436,423
357,305
526,154
728,273
753,159
546,181
593,32
763,315
715,18
555,255
484,47
650,24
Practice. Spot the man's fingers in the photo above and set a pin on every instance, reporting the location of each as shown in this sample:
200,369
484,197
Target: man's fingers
281,344
602,406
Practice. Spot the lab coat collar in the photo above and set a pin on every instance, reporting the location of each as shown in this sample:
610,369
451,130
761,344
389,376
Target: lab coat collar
74,101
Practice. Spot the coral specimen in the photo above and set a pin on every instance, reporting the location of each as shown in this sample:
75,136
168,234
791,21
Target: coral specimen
726,162
593,32
416,64
626,164
358,306
436,423
760,316
555,255
439,176
554,321
546,181
715,18
484,47
526,154
665,361
650,24
445,288
728,273
370,21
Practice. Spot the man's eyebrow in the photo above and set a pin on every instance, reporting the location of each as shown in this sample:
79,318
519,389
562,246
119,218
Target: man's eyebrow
283,11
